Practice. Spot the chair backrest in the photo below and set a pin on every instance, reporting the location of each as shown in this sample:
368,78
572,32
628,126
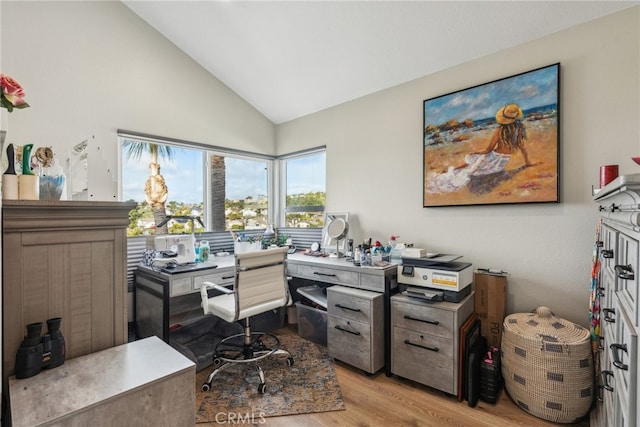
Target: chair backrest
261,278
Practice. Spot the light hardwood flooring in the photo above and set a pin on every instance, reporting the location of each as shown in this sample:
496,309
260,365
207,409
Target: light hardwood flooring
378,400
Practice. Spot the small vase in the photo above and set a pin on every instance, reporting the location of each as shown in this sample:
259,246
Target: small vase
51,187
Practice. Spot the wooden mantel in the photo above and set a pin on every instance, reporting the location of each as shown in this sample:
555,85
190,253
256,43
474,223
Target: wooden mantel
21,215
64,259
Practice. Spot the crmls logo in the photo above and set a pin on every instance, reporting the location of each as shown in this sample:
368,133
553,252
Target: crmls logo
233,418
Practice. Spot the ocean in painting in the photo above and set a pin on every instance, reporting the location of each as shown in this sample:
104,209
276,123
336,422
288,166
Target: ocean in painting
455,131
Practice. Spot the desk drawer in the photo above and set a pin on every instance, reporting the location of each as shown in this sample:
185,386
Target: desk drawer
350,303
372,282
423,318
220,278
350,342
180,286
426,359
323,274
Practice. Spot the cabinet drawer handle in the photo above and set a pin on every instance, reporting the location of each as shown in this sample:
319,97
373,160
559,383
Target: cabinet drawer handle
340,328
324,274
599,243
347,308
607,253
227,277
431,322
600,346
605,380
436,349
616,356
601,291
624,272
607,312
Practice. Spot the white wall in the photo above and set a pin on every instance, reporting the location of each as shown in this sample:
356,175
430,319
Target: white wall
90,68
374,163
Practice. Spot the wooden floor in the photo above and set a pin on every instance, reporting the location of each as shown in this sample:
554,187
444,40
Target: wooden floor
378,400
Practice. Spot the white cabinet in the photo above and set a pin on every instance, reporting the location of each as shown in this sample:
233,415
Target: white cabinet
616,360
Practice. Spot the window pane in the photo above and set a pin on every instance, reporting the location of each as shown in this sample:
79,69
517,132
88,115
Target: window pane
172,183
239,193
305,194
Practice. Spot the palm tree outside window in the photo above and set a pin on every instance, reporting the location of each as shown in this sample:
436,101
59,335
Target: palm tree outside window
227,191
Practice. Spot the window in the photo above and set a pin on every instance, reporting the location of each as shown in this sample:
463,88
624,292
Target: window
225,189
304,177
239,194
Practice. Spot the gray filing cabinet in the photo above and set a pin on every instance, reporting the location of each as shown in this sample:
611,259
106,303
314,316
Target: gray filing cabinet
425,340
355,332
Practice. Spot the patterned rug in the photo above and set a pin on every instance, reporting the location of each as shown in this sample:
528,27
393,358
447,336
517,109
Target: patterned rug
310,385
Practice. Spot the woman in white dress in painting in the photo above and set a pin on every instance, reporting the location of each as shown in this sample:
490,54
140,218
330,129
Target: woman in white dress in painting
508,139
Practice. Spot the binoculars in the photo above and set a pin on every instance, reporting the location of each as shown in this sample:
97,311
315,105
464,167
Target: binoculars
40,352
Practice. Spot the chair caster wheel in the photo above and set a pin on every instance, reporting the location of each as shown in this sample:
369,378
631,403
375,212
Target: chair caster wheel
205,387
262,388
290,361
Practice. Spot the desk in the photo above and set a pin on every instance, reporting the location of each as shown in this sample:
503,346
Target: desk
338,271
165,299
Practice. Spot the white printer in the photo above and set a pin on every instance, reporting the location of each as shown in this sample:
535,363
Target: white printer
438,278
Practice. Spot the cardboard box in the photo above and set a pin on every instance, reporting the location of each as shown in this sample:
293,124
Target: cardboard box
490,304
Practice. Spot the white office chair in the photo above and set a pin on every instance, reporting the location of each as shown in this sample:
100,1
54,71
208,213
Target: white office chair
260,286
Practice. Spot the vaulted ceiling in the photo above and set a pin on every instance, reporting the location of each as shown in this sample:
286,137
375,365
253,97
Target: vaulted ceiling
292,58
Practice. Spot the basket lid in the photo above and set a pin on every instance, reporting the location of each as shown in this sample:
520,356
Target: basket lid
542,323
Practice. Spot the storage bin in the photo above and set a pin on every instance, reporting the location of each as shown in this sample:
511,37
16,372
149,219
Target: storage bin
547,365
268,321
312,323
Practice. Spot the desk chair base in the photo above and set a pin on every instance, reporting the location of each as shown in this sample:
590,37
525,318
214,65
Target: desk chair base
251,349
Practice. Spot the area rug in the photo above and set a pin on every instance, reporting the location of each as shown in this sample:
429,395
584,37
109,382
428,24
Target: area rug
310,385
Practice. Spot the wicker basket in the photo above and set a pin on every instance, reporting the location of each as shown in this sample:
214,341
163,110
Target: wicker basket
547,365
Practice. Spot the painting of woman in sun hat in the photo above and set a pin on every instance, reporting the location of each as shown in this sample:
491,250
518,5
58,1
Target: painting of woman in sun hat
508,138
494,143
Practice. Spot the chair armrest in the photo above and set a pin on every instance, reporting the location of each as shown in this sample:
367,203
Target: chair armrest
205,297
207,285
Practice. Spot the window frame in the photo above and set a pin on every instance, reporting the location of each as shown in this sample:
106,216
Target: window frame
276,172
282,181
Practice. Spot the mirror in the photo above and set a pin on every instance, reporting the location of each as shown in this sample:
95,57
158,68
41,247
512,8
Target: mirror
335,232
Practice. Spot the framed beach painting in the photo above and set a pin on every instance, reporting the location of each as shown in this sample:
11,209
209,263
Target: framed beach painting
495,143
